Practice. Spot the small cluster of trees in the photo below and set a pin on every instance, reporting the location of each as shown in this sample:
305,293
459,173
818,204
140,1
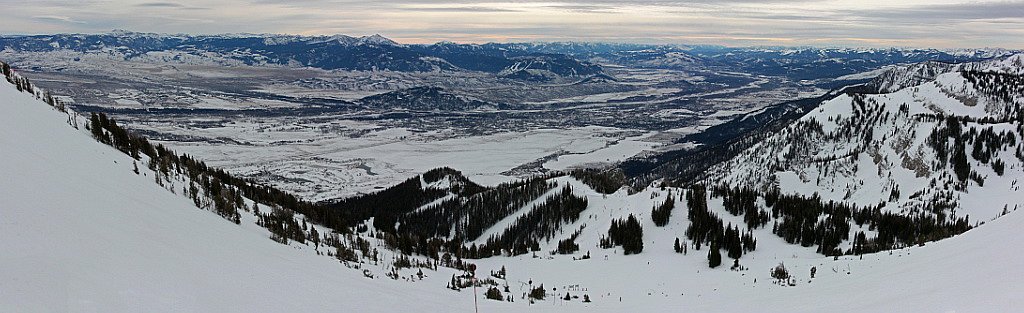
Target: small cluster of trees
800,222
20,82
662,212
742,201
939,141
985,144
988,142
679,247
538,293
707,227
23,84
626,233
568,245
282,226
780,273
494,294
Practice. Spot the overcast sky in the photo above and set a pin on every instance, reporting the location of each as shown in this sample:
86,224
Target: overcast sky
867,23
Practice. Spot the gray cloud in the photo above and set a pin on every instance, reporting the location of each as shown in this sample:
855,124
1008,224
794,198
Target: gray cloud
168,5
161,5
57,19
944,13
578,8
470,9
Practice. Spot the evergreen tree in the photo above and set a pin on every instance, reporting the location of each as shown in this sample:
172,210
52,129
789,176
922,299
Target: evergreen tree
960,164
494,294
714,256
95,127
661,213
538,293
629,234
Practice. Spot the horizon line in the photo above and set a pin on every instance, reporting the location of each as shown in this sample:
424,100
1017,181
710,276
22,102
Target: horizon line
433,41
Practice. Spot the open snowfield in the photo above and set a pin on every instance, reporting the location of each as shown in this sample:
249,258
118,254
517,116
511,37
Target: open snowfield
83,233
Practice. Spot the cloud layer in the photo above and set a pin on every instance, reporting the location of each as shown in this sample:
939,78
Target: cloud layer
911,23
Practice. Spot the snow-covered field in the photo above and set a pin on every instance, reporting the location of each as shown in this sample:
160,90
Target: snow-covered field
338,158
608,154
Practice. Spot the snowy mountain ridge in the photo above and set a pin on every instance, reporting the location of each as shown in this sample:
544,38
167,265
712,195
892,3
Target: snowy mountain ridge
335,52
915,74
949,147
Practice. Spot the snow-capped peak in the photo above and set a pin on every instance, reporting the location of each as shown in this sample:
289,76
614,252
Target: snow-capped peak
377,40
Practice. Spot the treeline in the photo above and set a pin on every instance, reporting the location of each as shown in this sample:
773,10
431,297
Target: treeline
20,82
603,181
800,222
542,222
742,201
938,140
466,217
809,221
283,226
483,211
895,230
416,217
954,154
387,206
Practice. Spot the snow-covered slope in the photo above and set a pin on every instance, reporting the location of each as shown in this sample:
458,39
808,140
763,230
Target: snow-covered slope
900,149
966,273
83,233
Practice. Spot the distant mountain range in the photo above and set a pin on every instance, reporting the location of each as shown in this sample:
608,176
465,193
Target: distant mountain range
342,52
520,61
795,62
